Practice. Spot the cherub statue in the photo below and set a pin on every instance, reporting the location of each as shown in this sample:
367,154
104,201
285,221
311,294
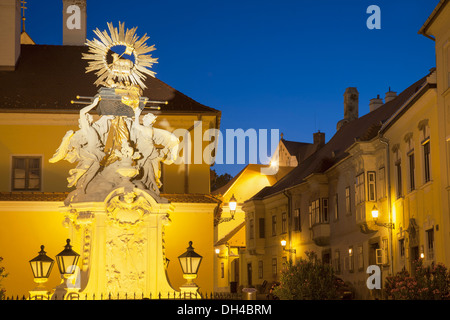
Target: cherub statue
155,145
84,146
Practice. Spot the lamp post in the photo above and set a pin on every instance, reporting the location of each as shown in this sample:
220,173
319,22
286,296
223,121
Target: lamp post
190,263
67,265
375,219
41,266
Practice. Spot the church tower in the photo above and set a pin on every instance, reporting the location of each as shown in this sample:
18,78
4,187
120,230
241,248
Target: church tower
9,34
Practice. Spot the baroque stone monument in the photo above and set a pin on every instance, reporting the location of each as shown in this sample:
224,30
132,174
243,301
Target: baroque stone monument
115,214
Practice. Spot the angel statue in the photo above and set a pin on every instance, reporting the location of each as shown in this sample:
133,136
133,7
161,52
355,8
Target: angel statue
84,146
155,145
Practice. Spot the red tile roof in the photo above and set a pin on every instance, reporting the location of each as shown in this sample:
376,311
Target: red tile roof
48,77
61,196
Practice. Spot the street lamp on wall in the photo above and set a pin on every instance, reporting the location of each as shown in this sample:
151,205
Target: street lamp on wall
283,245
232,204
375,219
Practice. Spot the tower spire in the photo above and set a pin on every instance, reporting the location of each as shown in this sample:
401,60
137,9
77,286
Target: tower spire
22,6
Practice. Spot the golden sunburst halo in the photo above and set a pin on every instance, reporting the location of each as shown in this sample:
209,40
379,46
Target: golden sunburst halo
119,70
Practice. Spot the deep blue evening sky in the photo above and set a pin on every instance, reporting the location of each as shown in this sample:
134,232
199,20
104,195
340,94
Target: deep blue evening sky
268,64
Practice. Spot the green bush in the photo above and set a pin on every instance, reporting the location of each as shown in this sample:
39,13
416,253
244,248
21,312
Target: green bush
308,279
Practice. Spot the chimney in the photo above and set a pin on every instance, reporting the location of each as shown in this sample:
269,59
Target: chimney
375,103
351,101
390,95
319,138
10,29
74,22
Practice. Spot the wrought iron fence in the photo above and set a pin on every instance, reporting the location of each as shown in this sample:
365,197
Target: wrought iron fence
135,296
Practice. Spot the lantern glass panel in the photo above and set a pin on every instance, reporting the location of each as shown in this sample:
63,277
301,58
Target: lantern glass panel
195,264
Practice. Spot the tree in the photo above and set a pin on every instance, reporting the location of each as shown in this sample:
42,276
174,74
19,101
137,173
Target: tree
309,279
218,181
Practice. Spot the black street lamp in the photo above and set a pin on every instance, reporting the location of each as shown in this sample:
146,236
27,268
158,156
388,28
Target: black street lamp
190,263
67,263
67,260
41,266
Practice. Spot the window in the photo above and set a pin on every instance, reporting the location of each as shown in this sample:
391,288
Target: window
336,207
398,166
262,231
337,262
26,173
351,260
324,210
274,225
222,270
430,244
412,183
297,226
310,216
359,190
347,201
318,211
251,228
382,185
448,66
283,222
274,266
426,160
260,269
360,258
371,186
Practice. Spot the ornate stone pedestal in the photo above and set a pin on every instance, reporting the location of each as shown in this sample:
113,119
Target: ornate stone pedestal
121,240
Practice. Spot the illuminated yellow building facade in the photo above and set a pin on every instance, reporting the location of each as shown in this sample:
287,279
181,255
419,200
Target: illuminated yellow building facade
375,194
38,83
230,227
325,204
